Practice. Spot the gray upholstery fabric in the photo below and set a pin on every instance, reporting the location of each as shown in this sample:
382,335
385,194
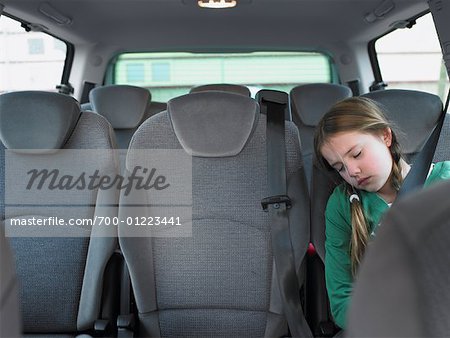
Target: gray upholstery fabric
442,152
47,118
414,112
309,102
212,123
10,319
123,106
51,274
402,287
232,323
62,277
224,87
219,281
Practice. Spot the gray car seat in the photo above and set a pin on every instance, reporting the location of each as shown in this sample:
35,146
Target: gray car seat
415,113
402,286
220,281
224,87
61,270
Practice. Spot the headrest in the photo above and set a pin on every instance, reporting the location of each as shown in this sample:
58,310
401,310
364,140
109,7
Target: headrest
415,113
223,87
213,123
123,106
309,102
37,120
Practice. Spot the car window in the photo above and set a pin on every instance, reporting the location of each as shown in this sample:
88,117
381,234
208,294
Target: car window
29,60
412,58
168,75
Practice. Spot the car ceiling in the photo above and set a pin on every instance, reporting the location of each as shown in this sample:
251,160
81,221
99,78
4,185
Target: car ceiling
181,25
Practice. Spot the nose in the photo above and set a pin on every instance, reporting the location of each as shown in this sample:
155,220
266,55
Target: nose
352,169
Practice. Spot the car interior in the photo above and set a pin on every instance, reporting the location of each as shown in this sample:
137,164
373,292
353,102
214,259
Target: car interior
158,175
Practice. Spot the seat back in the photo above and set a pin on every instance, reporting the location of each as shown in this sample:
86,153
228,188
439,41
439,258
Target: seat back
10,318
402,285
224,87
123,106
220,280
415,113
309,102
61,267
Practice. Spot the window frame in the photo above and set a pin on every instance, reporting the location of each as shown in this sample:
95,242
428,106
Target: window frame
373,56
70,49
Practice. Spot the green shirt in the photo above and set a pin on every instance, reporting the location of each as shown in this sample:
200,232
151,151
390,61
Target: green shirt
338,273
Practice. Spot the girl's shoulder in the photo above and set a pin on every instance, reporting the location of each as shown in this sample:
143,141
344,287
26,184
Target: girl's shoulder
441,171
337,213
338,196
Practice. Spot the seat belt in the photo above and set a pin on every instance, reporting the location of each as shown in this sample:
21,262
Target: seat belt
276,205
419,170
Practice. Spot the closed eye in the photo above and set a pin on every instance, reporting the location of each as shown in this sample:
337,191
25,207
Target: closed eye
339,169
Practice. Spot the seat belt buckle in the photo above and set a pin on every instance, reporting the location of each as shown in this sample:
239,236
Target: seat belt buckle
276,201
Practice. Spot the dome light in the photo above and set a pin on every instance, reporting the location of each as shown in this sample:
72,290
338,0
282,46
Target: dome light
217,3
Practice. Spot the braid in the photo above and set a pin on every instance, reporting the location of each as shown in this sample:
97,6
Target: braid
360,233
360,227
396,175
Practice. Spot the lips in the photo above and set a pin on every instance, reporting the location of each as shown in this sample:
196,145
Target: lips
363,181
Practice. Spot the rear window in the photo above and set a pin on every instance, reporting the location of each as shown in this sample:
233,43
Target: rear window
168,75
29,60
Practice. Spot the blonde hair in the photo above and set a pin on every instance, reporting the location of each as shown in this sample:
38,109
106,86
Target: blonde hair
364,115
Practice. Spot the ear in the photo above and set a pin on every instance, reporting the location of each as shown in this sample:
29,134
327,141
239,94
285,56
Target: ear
387,136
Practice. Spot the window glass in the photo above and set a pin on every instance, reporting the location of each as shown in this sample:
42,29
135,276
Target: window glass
168,75
29,60
412,58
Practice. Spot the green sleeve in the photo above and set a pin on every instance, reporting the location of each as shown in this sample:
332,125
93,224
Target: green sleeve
441,171
338,273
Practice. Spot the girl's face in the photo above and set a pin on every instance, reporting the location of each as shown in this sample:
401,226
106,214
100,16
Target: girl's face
362,159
